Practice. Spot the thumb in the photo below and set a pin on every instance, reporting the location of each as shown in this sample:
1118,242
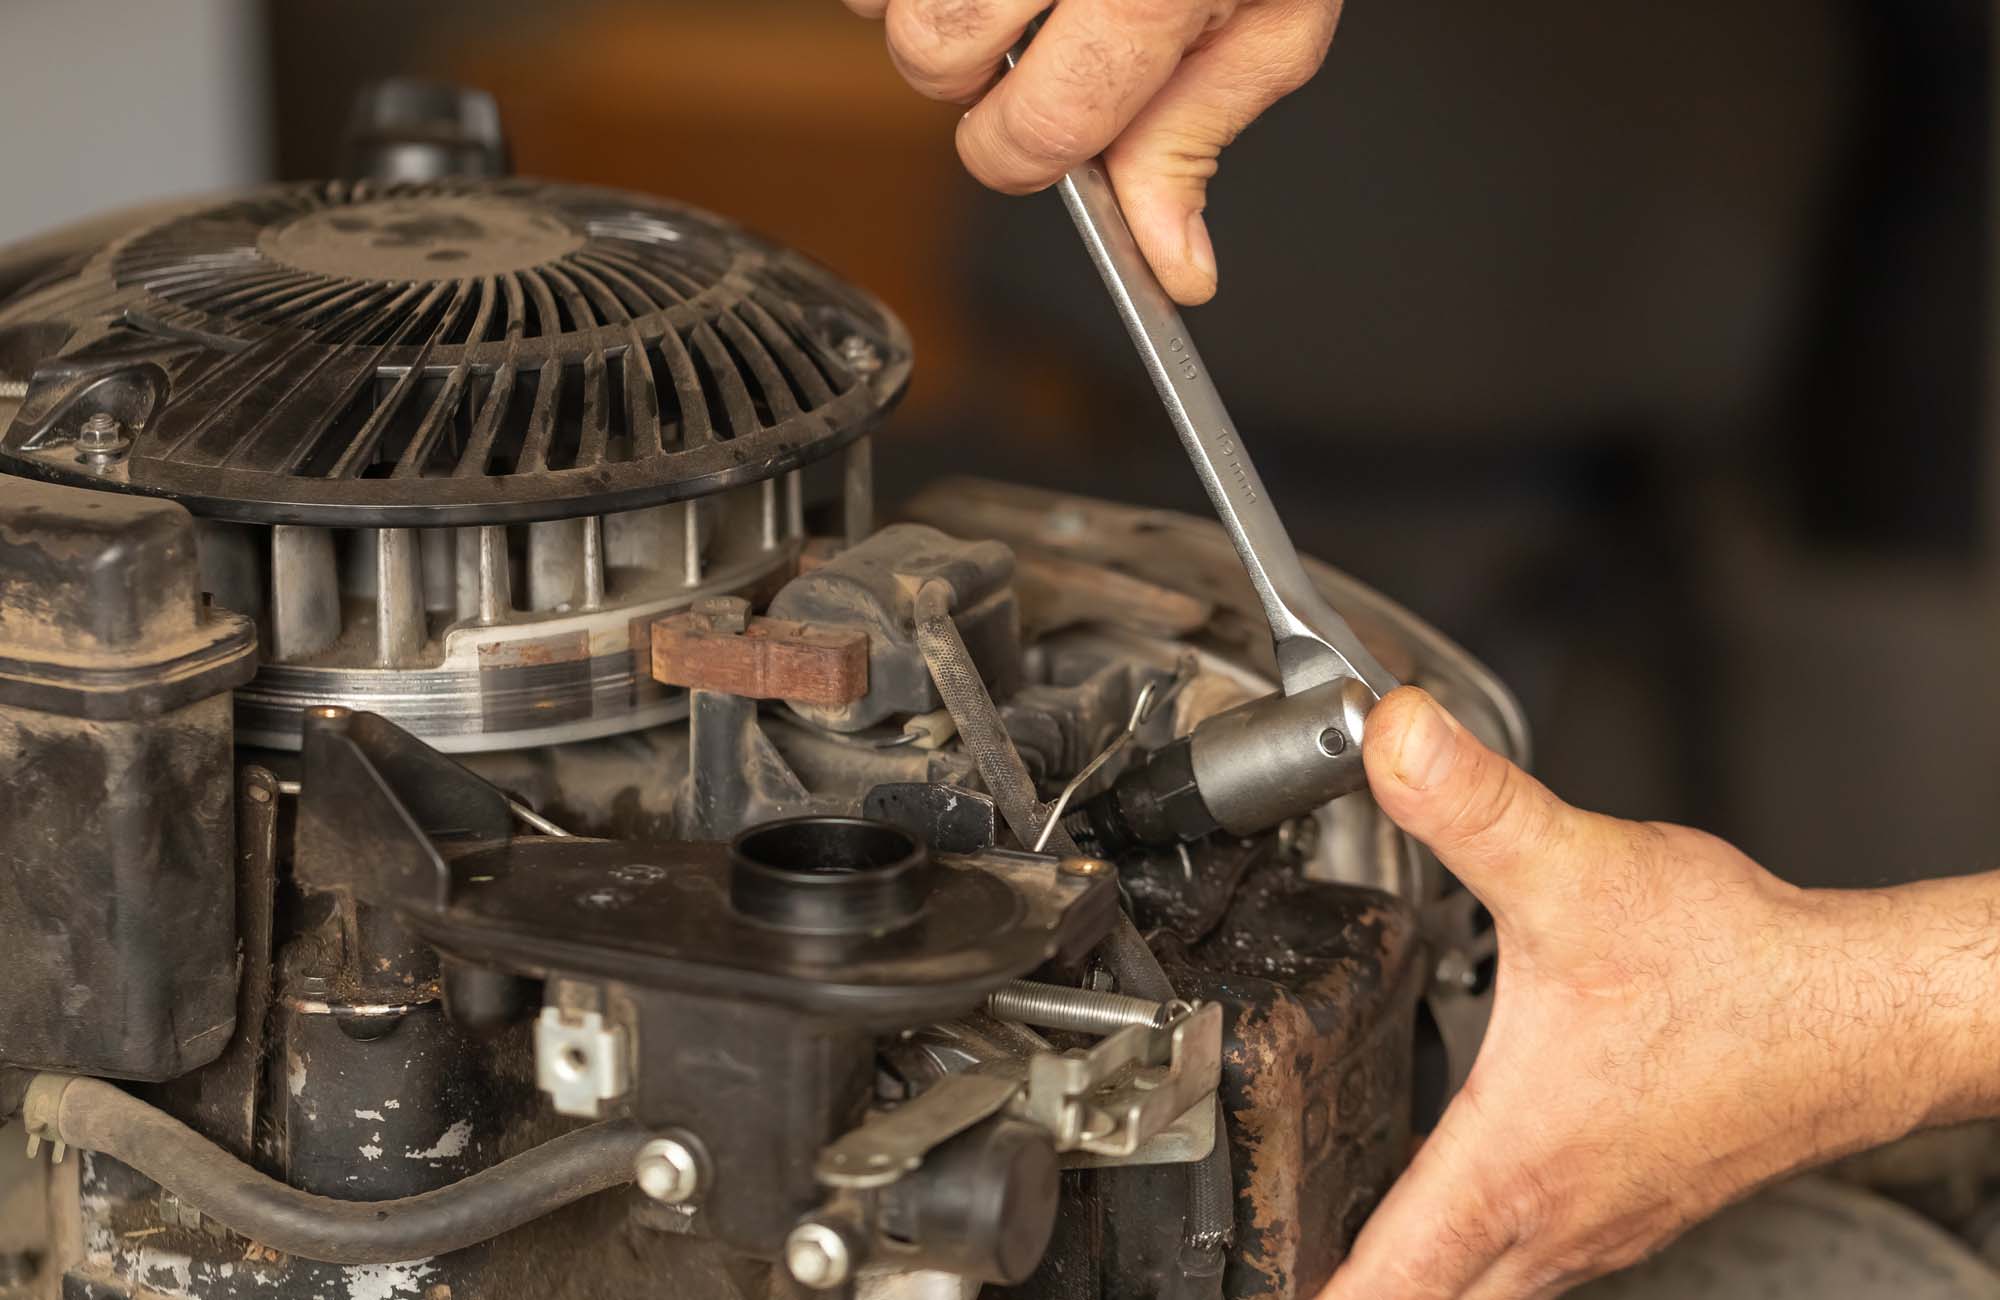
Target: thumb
1162,162
1493,825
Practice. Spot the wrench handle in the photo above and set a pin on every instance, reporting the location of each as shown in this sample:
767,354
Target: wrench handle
1314,643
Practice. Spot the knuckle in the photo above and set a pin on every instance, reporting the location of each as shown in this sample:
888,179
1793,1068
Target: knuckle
1474,1231
953,20
1044,133
1190,16
1502,804
927,41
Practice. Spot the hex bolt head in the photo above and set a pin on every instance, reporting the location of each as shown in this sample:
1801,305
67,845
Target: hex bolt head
102,440
817,1256
668,1169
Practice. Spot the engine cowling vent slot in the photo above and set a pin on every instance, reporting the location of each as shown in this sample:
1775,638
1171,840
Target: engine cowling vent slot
463,351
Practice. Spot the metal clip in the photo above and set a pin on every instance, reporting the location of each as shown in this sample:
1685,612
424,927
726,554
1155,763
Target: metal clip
579,1060
1113,1098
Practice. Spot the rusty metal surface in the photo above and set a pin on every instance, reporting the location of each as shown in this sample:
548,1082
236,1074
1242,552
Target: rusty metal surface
1319,984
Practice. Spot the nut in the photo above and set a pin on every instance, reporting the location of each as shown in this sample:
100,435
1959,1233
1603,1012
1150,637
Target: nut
102,441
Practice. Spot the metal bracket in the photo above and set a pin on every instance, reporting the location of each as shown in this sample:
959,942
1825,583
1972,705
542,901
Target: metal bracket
579,1060
892,1143
1186,1140
1134,1099
1112,1098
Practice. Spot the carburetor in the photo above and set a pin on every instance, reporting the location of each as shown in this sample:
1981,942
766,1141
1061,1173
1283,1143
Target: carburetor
487,814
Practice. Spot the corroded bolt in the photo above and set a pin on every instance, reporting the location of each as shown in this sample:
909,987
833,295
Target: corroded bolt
668,1170
729,615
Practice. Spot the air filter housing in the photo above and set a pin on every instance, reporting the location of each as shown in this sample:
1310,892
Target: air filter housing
452,442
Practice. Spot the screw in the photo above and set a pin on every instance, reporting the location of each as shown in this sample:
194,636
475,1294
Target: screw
1085,867
102,440
1332,742
668,1170
817,1256
860,355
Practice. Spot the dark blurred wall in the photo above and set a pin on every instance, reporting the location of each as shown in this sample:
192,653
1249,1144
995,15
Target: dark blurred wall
1643,348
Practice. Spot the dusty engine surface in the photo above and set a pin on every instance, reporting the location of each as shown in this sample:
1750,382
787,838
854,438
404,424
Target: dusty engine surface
486,811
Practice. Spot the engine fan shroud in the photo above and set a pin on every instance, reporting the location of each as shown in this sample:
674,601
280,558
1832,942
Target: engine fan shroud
448,353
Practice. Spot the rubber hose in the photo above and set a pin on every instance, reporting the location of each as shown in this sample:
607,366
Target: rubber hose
96,1116
971,708
1211,1211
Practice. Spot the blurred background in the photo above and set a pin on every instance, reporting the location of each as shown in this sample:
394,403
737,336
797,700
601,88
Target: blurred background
1645,349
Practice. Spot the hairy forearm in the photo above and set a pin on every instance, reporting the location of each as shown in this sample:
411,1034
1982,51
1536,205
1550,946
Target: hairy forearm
1908,993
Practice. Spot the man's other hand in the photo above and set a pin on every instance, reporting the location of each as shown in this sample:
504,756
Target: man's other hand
1673,1026
1157,86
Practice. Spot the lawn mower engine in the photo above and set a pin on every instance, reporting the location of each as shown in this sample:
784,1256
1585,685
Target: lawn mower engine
487,813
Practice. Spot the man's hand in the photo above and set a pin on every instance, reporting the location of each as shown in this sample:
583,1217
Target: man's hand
1673,1027
1157,86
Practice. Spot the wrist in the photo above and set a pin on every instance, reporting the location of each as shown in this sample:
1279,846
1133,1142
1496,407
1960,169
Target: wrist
1905,995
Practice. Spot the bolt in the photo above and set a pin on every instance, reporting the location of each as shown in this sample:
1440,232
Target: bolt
728,615
817,1256
668,1170
1332,742
101,440
1298,838
860,355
